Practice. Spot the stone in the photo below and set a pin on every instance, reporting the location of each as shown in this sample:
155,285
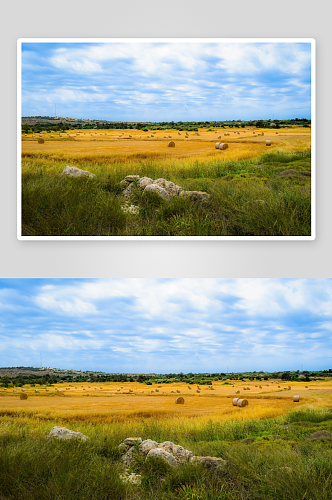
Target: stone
212,463
146,446
171,188
131,178
76,172
144,181
128,191
321,435
128,457
155,188
130,209
161,453
123,447
132,441
180,454
64,433
197,196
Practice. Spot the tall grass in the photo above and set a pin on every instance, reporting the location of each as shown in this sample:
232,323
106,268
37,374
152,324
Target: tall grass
266,459
245,199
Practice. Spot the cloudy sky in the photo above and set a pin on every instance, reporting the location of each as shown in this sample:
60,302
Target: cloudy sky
167,325
162,81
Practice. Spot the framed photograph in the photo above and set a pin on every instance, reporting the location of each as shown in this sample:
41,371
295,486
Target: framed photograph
166,139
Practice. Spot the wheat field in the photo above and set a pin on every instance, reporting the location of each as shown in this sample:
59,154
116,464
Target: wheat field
100,405
107,146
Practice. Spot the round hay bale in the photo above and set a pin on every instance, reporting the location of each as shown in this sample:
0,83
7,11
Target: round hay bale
179,400
178,390
118,390
223,145
189,387
41,141
289,388
296,399
260,387
217,145
36,390
234,402
248,388
131,390
278,386
237,392
171,144
219,136
198,391
23,395
242,402
306,387
268,143
179,133
244,388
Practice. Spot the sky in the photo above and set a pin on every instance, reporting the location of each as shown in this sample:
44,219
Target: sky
167,81
167,325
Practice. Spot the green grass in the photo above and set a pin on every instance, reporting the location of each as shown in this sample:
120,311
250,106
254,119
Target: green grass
248,198
268,459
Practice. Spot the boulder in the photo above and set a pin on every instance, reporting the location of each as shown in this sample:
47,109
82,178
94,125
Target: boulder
155,188
64,433
160,453
180,454
76,172
197,196
123,448
131,441
171,188
321,435
128,457
212,463
144,181
147,446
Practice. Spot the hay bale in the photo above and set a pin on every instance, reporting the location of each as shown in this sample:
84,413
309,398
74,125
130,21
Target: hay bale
289,388
223,145
242,402
171,144
244,388
296,399
234,402
23,396
118,390
306,387
268,143
260,387
217,145
178,390
237,392
131,390
41,141
179,133
179,400
189,387
198,391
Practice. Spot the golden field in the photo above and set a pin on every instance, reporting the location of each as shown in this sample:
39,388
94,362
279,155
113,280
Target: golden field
101,404
113,146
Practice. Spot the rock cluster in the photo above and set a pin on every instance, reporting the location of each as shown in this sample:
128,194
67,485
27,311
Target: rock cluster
173,454
165,189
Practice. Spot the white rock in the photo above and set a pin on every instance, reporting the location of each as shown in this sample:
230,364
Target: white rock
76,172
144,181
155,188
132,441
64,433
159,453
147,446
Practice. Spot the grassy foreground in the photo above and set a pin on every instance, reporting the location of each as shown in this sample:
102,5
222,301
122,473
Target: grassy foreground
248,198
266,459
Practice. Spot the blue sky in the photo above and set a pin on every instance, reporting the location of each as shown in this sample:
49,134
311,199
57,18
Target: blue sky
163,81
167,325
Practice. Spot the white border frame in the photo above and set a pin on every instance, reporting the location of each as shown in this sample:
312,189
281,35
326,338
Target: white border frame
312,41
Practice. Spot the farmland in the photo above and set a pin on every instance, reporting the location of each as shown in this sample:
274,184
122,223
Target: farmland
248,196
266,444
